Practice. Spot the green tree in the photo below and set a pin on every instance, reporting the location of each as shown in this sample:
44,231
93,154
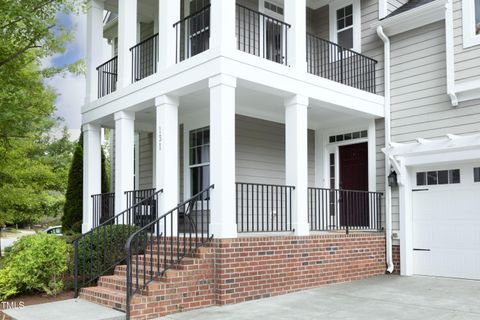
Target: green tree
73,210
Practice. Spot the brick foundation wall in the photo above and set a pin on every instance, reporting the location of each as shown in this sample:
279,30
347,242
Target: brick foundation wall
396,258
259,267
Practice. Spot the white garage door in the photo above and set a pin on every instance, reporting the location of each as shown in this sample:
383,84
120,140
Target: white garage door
446,221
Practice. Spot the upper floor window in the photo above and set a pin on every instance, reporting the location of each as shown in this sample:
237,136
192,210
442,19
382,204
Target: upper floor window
471,22
345,24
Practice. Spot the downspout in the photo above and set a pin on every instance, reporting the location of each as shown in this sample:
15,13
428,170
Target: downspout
450,54
388,190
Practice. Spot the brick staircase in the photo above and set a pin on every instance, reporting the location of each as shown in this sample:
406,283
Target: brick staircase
187,284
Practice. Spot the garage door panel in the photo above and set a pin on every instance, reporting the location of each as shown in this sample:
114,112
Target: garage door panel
446,228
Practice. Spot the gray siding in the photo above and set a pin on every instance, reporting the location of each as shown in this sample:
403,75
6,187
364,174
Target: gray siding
145,160
260,152
467,61
317,22
393,5
420,106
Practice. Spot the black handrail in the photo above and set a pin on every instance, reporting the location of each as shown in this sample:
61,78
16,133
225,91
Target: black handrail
261,35
334,62
103,207
264,207
99,250
339,209
144,58
134,196
107,77
193,34
157,247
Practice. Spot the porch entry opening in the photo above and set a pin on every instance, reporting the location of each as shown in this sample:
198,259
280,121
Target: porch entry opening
353,167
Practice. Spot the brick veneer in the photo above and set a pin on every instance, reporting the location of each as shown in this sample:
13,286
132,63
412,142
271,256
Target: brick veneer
247,268
396,258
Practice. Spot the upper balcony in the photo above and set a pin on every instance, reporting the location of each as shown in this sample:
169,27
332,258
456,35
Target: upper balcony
260,30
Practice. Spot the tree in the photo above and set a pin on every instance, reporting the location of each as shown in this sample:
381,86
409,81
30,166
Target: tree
73,210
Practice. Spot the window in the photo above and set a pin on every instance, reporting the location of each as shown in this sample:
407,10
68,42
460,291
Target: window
471,22
348,136
345,24
476,174
440,177
199,160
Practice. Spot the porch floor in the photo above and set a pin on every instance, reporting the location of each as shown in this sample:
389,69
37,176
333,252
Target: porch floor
73,309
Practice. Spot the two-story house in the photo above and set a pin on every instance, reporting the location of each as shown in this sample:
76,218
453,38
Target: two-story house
266,146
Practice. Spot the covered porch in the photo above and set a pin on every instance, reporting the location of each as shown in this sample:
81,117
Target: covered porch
272,162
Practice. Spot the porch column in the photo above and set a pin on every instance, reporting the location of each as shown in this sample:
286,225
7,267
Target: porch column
166,161
127,38
296,159
94,47
92,163
222,155
124,157
168,14
222,25
296,16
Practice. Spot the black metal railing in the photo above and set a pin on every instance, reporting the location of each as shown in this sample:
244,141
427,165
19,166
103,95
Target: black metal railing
103,207
261,35
136,196
107,77
157,247
98,251
338,209
193,34
331,61
263,207
144,58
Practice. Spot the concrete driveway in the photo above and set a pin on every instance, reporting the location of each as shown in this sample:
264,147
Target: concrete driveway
384,297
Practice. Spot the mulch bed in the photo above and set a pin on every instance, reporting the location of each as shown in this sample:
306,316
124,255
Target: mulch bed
32,299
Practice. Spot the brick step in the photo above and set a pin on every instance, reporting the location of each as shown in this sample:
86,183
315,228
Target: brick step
121,270
160,259
198,252
105,296
119,283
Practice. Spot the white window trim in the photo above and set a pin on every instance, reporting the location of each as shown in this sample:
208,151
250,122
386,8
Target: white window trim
357,22
470,39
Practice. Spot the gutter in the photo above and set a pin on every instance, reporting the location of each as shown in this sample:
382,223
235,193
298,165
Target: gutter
388,189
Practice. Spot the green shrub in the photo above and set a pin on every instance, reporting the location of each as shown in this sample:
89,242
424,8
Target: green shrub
34,263
102,249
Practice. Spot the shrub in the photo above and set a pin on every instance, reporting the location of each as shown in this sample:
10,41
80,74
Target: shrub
102,249
34,263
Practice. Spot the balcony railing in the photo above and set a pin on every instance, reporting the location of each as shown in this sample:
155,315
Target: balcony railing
331,61
261,35
193,34
107,77
144,58
103,207
264,207
334,209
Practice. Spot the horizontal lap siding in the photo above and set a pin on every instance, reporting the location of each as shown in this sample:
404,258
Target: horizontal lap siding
260,152
145,161
420,105
393,5
467,61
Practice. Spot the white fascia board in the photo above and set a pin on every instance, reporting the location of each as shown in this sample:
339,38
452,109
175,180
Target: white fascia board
193,73
469,90
413,19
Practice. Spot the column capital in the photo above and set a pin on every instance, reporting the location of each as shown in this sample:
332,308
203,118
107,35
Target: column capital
90,127
128,115
166,99
296,99
222,79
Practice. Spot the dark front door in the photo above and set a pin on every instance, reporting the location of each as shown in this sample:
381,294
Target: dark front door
354,206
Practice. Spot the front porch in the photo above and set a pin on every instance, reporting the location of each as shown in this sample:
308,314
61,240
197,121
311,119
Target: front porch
293,165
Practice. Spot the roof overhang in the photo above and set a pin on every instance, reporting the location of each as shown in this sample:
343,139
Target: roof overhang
428,13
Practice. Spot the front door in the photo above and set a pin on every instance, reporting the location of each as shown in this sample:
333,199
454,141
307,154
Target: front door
354,201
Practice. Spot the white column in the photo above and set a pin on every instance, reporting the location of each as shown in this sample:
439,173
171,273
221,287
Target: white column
124,157
92,163
222,25
406,222
168,13
167,150
94,47
296,159
296,16
222,155
127,38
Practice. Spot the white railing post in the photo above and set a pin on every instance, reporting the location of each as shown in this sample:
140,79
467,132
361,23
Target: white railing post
295,15
127,38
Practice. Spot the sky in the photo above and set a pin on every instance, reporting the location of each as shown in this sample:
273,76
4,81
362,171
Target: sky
70,88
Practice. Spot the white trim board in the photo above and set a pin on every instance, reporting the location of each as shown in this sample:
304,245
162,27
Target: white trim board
470,38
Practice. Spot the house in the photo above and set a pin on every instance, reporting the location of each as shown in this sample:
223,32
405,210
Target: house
261,147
